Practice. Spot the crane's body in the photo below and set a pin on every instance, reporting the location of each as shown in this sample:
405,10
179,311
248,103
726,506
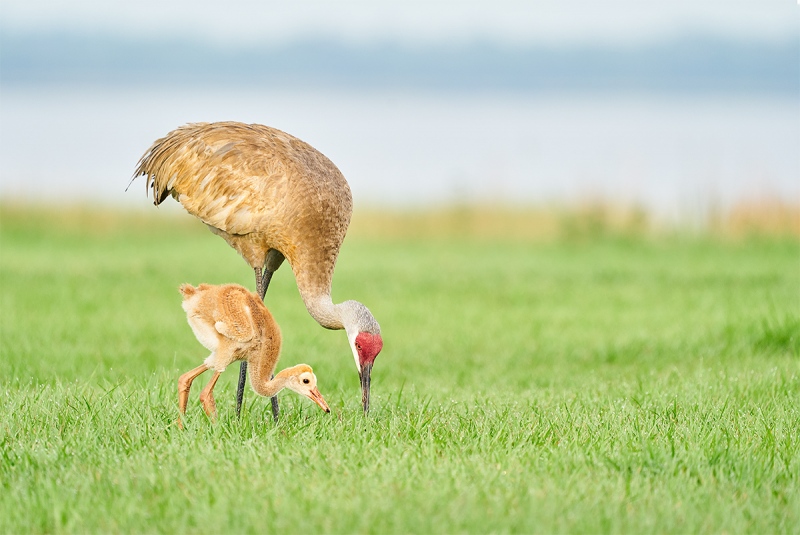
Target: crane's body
270,196
238,179
234,324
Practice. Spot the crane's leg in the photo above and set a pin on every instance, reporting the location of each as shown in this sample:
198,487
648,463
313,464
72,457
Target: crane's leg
184,385
240,390
207,398
243,365
273,262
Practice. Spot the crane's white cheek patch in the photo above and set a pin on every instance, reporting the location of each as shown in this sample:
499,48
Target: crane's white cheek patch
352,339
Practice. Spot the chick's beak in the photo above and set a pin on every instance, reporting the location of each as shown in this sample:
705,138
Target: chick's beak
366,370
317,398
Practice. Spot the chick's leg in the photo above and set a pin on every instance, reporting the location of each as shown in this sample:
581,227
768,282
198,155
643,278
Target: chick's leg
207,397
185,384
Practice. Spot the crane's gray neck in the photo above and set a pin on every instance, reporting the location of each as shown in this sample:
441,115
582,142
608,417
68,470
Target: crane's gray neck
351,316
323,310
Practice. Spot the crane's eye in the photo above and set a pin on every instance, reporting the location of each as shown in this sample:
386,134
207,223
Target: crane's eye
306,381
358,346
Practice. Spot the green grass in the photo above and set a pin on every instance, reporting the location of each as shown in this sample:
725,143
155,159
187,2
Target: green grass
605,383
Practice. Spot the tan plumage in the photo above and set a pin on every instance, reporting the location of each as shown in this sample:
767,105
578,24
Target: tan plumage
234,324
270,196
245,181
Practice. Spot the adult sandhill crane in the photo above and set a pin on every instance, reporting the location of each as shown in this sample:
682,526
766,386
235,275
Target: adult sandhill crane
270,196
234,324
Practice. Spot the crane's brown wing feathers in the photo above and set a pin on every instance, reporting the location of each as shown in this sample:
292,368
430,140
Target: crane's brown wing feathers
259,189
224,173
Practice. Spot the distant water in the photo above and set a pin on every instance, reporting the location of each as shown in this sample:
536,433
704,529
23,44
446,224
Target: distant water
670,154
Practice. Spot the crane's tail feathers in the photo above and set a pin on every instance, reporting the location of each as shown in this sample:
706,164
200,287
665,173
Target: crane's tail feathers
131,182
164,161
142,168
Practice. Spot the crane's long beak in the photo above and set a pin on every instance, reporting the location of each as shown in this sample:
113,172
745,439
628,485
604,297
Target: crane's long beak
366,370
317,398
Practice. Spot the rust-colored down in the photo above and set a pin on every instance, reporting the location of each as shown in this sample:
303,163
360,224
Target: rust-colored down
234,324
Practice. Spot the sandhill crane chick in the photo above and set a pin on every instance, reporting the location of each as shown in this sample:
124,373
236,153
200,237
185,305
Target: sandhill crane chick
234,324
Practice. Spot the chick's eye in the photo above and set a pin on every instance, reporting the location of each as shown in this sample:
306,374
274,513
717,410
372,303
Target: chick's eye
306,381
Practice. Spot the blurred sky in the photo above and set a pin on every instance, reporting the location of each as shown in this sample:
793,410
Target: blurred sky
246,21
667,150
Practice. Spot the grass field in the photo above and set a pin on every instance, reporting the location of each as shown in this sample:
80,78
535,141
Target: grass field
583,383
